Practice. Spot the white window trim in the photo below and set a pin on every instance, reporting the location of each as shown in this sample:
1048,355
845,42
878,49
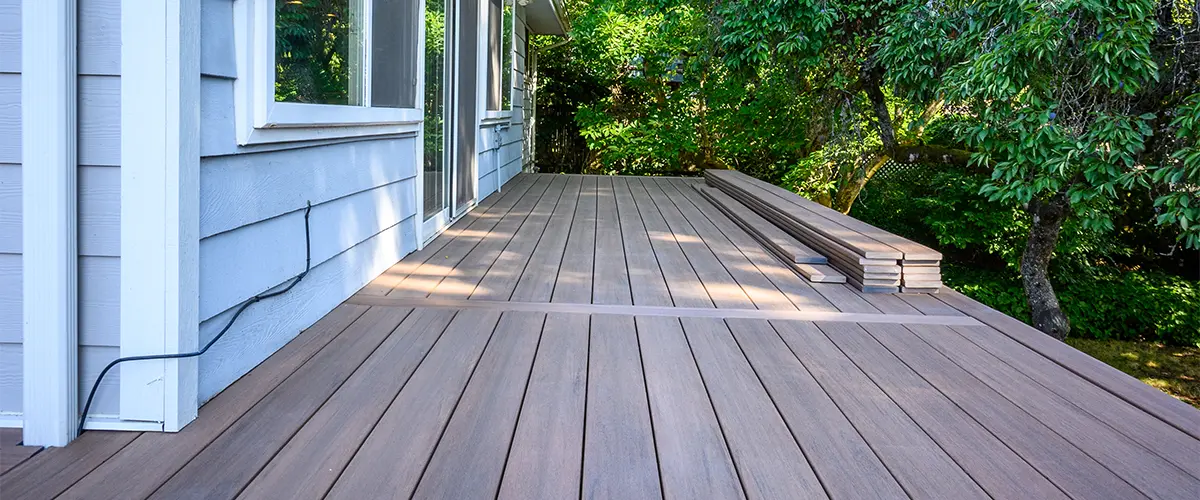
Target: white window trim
493,116
260,120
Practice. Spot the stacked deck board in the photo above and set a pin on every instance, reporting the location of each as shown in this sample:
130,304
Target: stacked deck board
800,258
872,259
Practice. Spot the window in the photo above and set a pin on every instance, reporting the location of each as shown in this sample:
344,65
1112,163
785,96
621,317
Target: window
321,69
500,55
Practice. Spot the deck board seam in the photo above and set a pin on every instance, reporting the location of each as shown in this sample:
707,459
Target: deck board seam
824,390
400,389
905,411
683,312
307,419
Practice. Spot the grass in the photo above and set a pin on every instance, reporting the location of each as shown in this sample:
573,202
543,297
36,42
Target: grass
1173,370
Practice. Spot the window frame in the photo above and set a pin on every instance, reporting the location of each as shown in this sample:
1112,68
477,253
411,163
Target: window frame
493,116
262,120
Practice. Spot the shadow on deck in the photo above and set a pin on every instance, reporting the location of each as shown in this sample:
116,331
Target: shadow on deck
620,338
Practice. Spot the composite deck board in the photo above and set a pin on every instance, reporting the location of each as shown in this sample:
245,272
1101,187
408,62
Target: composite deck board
417,416
1139,466
474,395
646,281
12,453
687,290
537,281
424,277
768,458
839,455
152,458
1056,458
312,459
845,298
502,276
469,460
546,457
692,455
1156,435
1173,411
228,464
917,462
995,467
723,289
574,282
51,471
479,262
483,215
610,276
802,295
753,283
619,459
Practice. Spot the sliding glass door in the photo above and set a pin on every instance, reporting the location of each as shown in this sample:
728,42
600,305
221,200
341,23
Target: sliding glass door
465,103
437,175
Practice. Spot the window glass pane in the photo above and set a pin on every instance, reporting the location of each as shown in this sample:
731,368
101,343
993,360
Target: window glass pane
435,178
506,59
394,53
319,51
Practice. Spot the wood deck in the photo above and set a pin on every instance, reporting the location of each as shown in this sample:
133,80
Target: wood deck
598,337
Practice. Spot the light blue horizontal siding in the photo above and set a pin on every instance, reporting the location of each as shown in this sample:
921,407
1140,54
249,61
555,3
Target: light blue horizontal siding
10,118
11,389
237,264
242,189
10,36
268,325
11,362
99,37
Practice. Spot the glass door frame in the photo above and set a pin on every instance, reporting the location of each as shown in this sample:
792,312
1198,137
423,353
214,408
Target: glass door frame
433,224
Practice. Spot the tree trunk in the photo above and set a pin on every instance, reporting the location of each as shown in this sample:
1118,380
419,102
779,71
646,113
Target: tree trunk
1035,263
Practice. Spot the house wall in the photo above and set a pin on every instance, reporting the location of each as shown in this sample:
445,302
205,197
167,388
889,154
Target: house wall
99,178
252,199
500,144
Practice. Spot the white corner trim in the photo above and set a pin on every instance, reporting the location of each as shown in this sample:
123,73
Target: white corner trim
160,203
50,257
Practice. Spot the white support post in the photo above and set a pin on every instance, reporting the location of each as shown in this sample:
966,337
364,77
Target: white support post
50,257
160,190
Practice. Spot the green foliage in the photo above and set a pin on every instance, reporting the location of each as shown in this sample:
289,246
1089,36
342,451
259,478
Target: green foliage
312,51
982,244
1063,101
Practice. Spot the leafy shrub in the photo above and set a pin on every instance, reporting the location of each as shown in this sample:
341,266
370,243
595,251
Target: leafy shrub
982,242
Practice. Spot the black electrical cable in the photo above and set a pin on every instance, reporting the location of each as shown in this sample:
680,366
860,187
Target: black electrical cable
244,305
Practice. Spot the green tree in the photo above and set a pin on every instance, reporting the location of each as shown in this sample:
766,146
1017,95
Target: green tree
1069,103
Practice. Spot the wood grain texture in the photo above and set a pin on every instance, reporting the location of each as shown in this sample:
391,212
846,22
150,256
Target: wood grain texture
538,280
1054,457
415,420
839,455
768,458
53,470
574,282
692,455
694,226
1144,469
12,453
610,283
469,460
797,290
10,115
619,459
10,36
427,264
647,284
996,468
315,456
229,463
915,460
152,458
767,232
687,290
1151,400
546,457
1155,435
